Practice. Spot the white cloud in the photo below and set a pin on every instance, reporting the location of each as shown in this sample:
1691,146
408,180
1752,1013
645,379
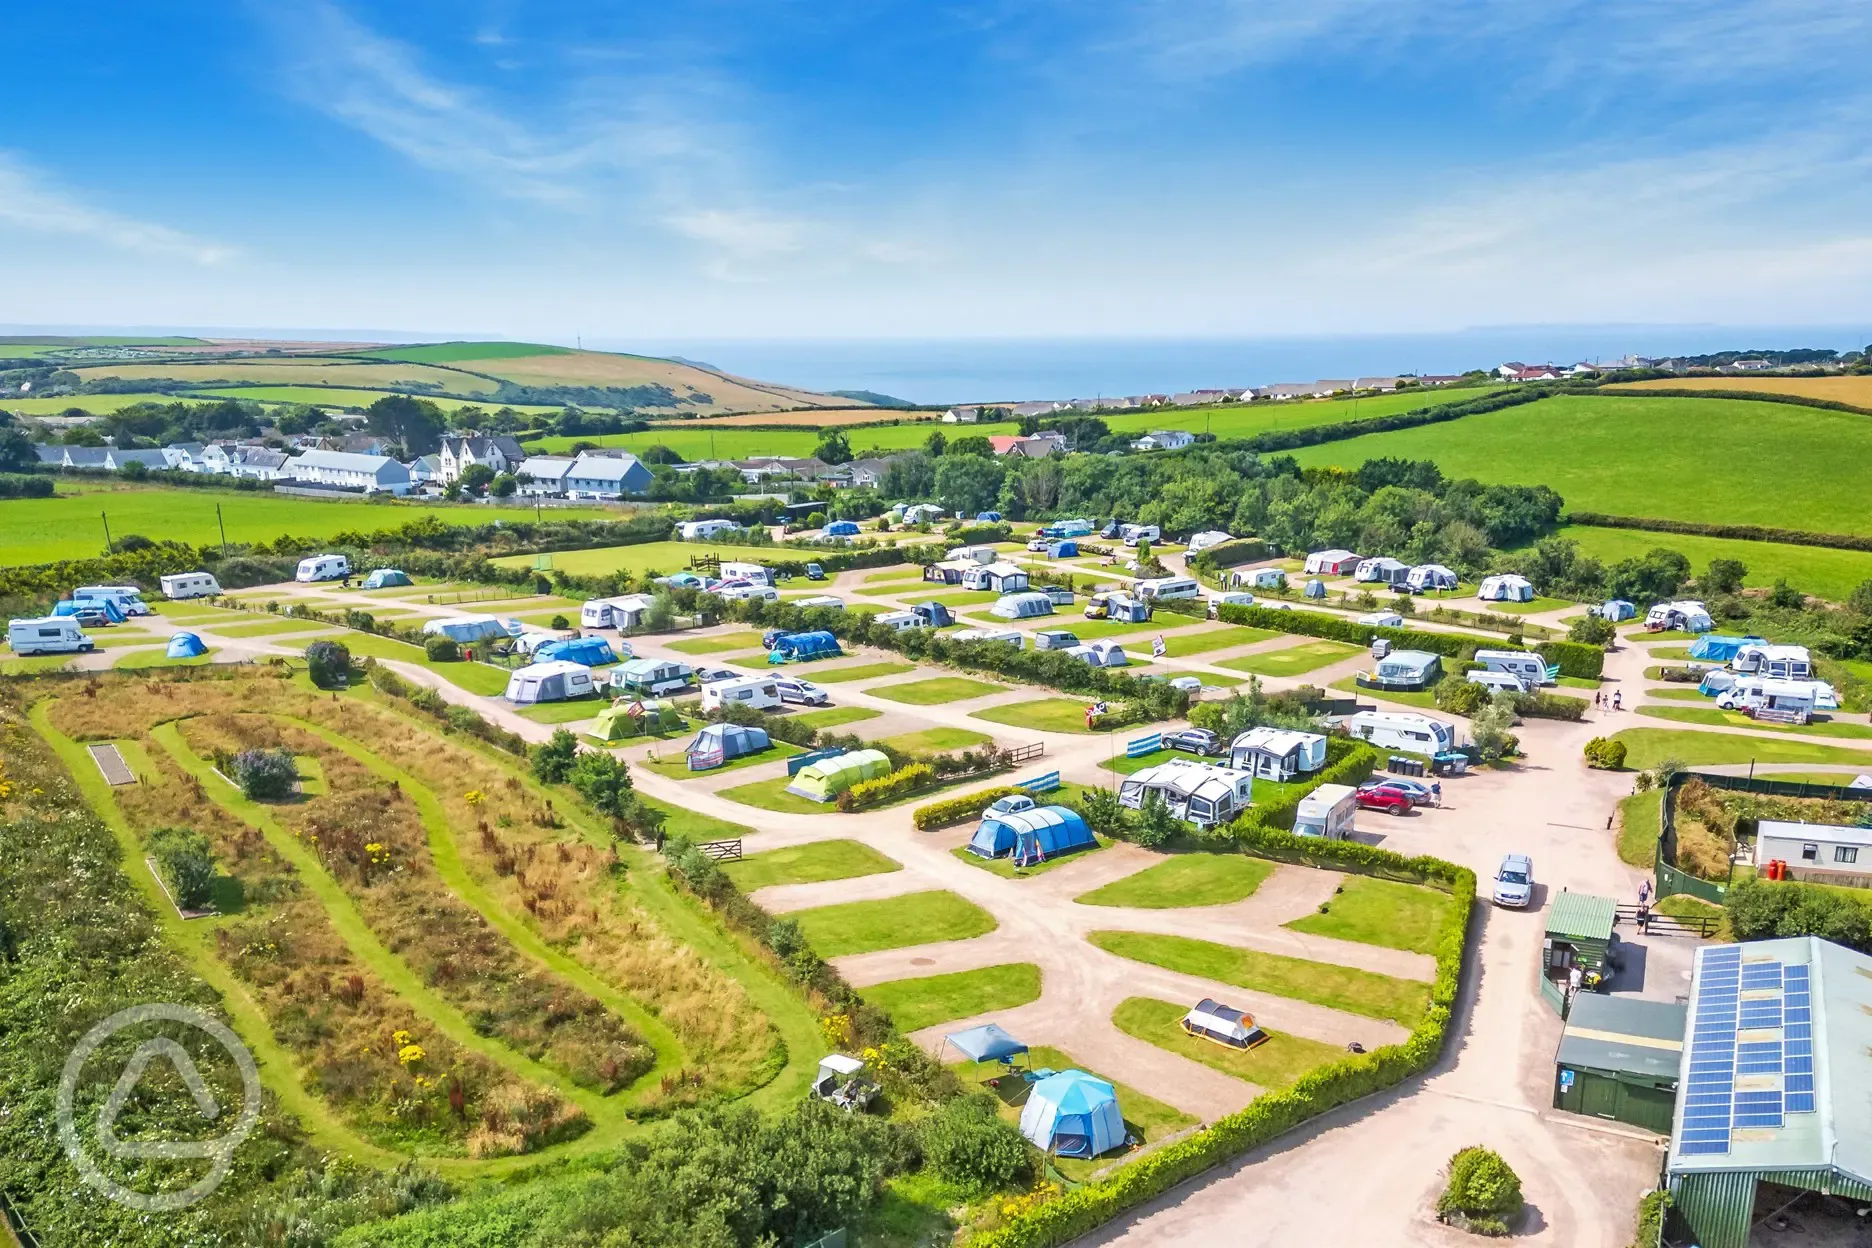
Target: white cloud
31,201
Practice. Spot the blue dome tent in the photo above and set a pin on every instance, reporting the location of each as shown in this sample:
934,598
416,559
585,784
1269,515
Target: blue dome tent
1073,1114
386,578
1032,835
186,646
1316,589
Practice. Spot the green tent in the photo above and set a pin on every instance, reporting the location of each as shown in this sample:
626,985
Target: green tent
623,720
824,780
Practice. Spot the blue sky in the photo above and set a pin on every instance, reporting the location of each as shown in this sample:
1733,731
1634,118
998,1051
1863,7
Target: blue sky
964,169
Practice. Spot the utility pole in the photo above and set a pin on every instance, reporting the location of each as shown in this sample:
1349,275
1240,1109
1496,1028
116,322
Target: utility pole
223,524
107,536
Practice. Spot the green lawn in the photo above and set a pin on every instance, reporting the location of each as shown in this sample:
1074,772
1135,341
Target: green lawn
1735,719
1640,824
960,598
1532,607
679,821
1005,868
482,678
569,711
1647,747
1600,452
835,716
265,628
809,864
11,666
673,763
1832,574
156,656
936,690
1381,912
914,1004
772,795
913,919
937,740
859,671
661,557
1276,1064
1185,880
718,644
1346,988
1177,646
1042,714
1294,660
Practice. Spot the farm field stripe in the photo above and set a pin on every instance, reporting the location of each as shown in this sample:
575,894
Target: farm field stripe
608,1122
280,1074
453,872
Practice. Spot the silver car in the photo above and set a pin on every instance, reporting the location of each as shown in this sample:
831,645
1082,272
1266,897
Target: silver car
1514,882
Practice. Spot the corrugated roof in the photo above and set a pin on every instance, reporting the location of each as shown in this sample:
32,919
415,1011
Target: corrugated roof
1581,915
1625,1034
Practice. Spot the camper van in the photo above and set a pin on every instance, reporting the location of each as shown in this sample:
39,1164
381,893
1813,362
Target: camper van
760,693
128,598
323,568
1529,669
1417,733
190,585
1498,682
1169,587
1134,534
754,573
1054,639
55,634
1327,811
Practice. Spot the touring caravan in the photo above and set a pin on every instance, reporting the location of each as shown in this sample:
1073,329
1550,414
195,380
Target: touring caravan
190,585
1778,662
972,554
623,612
466,629
747,593
1417,733
323,568
650,677
1331,563
1382,571
54,634
757,693
753,573
1506,588
1200,542
1407,670
1428,576
1382,619
552,681
702,530
1278,754
1201,793
1497,682
1011,636
1528,668
1003,578
1169,587
1328,812
1687,616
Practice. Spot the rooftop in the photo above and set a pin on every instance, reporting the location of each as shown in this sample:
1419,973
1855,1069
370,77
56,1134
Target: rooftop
1625,1034
1581,915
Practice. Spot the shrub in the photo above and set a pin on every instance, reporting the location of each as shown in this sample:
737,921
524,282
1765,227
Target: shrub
329,663
604,781
1102,810
1459,695
875,792
265,775
968,1145
442,649
1488,728
1592,630
1484,1193
1156,822
956,809
1605,754
553,760
560,621
187,863
1540,705
1764,910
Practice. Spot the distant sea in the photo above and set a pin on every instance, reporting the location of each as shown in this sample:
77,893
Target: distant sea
946,371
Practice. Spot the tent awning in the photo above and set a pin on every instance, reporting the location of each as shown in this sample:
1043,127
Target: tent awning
986,1043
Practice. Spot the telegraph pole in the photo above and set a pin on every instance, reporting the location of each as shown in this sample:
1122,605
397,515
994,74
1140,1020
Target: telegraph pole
223,524
107,536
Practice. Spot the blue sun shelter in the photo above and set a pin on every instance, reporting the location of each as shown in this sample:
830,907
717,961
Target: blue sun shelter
989,1042
186,646
1032,836
1073,1114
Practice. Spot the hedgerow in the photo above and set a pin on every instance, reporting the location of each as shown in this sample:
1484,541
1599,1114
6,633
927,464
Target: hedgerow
956,809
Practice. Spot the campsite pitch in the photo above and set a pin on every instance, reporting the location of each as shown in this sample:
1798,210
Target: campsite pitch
936,690
914,1004
913,919
1042,714
1193,879
809,864
1380,912
1275,1064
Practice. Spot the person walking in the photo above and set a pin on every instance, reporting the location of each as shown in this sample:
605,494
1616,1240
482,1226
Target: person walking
1436,793
1596,698
1618,700
1644,892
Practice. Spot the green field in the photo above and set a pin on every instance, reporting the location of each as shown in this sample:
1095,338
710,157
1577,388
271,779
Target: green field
1717,717
1177,646
1647,747
936,690
1831,574
1644,456
40,530
337,396
859,671
1185,880
1381,912
914,1004
96,404
1244,420
450,352
1293,660
743,443
1043,715
663,557
835,716
1276,1064
808,864
913,919
717,644
937,740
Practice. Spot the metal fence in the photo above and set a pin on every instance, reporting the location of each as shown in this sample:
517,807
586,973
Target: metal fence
1040,784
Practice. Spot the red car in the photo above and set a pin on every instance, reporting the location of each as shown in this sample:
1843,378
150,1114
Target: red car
1384,797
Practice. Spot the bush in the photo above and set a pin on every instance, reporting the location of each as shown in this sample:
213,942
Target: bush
552,761
1484,1193
1459,695
1605,754
956,809
560,621
264,775
604,781
329,664
1156,822
187,863
442,649
1592,630
968,1144
1765,910
1102,811
1488,728
904,780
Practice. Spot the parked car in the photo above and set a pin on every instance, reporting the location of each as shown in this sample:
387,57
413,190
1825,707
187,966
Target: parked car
91,617
1418,791
1514,882
814,572
1193,741
803,692
1038,545
709,676
1386,798
1012,804
1111,529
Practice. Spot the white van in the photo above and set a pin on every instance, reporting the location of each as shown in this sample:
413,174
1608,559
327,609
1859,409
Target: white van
323,568
1328,812
756,573
1417,733
54,634
1168,587
1530,669
190,585
128,597
759,692
1498,682
1136,533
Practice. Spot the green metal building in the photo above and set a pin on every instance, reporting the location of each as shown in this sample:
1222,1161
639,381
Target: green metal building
1579,927
1619,1059
1776,1094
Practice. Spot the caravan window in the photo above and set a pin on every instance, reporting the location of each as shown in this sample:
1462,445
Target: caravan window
1845,853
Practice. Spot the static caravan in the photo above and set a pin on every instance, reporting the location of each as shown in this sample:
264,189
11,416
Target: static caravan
1506,588
1407,670
1331,563
1382,571
753,573
1169,587
757,693
1776,662
1688,616
1327,811
1388,731
1011,636
649,677
1429,576
183,585
553,681
973,554
1003,578
1815,851
1528,668
1021,607
129,598
702,530
323,568
54,634
1277,754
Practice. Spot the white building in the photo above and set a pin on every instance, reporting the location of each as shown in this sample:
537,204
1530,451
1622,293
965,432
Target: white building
962,415
346,470
1164,440
543,476
501,453
1820,851
606,476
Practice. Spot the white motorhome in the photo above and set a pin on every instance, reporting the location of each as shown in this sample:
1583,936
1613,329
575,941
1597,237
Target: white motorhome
1388,731
323,568
1497,682
758,573
1168,587
128,598
1790,701
758,693
622,612
742,593
1528,668
190,585
53,634
1136,533
1327,811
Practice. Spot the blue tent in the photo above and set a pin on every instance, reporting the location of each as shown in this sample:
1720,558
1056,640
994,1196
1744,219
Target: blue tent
718,743
814,645
386,578
1032,835
1618,610
1719,647
1073,1114
1062,550
109,606
986,1043
842,528
186,646
589,651
1316,589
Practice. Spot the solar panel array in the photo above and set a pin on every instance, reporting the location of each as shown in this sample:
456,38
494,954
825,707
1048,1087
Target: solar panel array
1733,998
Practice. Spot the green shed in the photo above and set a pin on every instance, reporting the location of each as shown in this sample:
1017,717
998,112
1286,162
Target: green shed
1579,927
1619,1058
